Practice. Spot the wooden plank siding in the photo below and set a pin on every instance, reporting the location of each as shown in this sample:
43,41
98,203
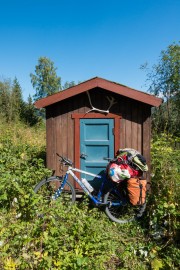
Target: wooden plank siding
134,124
146,136
50,138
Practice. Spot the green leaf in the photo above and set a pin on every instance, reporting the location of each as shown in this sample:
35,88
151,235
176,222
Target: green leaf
156,264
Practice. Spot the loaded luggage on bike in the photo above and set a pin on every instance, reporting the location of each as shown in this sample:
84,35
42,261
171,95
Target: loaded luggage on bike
112,197
128,167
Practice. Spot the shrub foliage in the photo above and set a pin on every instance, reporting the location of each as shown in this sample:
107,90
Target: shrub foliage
79,236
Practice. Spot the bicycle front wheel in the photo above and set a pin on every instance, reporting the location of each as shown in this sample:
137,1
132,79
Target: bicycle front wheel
119,210
47,188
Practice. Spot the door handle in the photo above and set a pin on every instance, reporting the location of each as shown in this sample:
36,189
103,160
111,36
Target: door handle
83,155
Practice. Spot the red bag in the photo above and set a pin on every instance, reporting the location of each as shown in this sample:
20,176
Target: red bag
132,172
136,191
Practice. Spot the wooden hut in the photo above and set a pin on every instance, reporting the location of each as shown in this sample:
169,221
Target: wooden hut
92,120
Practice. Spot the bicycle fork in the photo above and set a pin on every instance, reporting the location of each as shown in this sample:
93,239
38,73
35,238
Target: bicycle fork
60,189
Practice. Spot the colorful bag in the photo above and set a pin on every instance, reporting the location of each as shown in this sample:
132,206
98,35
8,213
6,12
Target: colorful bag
117,173
136,191
133,158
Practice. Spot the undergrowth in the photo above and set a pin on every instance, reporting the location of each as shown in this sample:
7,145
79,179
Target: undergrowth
79,236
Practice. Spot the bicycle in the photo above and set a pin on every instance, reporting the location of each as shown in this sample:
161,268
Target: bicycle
114,200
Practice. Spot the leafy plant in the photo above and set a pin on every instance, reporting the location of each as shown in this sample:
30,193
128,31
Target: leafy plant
79,236
164,81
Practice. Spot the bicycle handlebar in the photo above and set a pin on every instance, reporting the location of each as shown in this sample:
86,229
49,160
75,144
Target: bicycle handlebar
65,160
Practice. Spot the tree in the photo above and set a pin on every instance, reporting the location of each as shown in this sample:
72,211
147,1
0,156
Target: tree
16,100
10,100
164,78
68,84
5,93
45,80
29,114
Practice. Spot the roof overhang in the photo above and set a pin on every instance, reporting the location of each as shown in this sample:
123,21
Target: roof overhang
101,83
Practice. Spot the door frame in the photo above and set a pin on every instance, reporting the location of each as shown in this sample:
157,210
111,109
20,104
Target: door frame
78,116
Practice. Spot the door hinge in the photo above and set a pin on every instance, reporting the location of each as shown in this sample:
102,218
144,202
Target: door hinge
112,131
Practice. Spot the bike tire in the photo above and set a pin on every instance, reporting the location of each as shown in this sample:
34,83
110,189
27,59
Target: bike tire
46,188
124,212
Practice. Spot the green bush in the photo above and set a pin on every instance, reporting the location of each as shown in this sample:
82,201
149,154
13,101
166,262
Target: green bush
81,237
21,166
163,203
165,186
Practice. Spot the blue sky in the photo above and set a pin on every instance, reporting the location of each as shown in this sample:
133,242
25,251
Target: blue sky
84,39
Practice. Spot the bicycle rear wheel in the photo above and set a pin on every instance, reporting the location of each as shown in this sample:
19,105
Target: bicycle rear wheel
119,210
47,188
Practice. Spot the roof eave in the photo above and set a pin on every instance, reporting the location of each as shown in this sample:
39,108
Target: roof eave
101,83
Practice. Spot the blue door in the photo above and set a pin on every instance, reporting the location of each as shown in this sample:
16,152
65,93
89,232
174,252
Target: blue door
96,143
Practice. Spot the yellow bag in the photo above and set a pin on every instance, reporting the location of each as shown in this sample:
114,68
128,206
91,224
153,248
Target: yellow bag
136,191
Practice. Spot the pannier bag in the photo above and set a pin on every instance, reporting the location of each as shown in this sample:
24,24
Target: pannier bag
133,158
136,191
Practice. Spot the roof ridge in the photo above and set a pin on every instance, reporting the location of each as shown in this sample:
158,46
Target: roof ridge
101,83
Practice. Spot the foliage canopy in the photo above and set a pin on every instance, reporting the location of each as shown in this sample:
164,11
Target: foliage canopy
12,106
45,80
164,81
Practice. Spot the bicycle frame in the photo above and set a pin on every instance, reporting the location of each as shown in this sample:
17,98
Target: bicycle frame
111,195
70,171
